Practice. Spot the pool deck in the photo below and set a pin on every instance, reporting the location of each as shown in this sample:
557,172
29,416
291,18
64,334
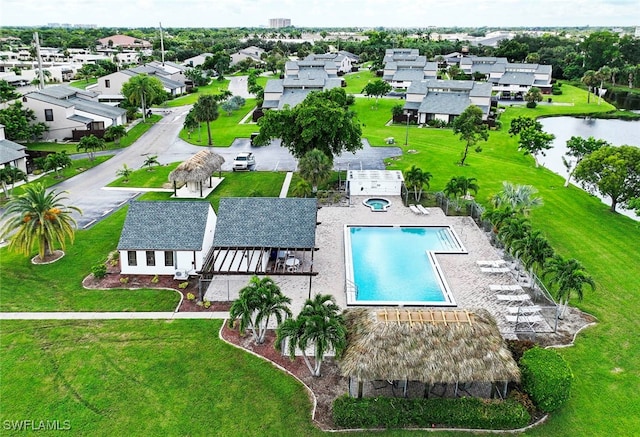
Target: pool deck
469,285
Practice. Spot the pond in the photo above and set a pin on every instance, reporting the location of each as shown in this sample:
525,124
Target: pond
616,132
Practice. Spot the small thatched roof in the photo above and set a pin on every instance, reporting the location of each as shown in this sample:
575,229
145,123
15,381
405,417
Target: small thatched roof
432,346
197,168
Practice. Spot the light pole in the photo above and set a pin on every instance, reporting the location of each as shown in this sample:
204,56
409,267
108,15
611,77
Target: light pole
406,137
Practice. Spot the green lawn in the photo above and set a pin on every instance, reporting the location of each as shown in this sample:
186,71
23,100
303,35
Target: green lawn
82,83
225,129
358,80
155,177
189,99
43,375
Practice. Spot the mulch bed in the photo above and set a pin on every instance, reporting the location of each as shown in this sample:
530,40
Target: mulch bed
326,388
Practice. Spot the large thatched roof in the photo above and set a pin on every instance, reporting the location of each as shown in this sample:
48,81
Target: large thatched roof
432,346
197,168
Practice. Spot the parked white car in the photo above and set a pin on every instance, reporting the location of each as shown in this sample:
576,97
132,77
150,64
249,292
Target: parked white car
244,161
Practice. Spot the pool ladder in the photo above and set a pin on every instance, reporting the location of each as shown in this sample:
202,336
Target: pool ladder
444,236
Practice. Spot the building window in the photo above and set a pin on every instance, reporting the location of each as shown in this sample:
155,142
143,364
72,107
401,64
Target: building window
132,258
168,258
48,114
151,258
107,83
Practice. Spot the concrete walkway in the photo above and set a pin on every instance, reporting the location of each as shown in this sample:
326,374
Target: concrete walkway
114,315
285,185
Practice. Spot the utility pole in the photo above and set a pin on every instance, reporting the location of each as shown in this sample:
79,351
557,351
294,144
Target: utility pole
406,137
161,44
40,72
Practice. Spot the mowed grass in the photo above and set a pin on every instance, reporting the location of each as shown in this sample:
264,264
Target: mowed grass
58,286
214,87
147,177
145,378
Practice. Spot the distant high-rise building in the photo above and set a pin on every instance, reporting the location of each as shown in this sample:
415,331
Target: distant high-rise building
279,22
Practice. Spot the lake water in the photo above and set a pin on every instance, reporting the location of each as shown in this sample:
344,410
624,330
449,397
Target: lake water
616,132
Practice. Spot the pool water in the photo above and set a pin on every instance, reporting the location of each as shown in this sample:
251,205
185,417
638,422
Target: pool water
392,264
377,204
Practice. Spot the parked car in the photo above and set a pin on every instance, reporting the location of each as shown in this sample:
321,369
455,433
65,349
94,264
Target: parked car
244,161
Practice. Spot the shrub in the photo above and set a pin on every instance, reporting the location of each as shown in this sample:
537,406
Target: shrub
531,105
524,400
99,271
207,304
190,296
124,280
155,279
401,412
546,378
183,285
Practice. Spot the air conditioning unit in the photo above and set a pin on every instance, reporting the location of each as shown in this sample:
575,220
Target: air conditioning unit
181,274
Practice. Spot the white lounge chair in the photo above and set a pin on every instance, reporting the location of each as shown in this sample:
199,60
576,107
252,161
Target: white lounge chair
535,318
414,209
513,297
495,269
422,209
496,263
501,287
524,309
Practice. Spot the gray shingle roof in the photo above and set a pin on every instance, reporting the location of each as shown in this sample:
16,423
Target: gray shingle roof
292,97
444,103
63,92
517,79
408,75
164,225
48,99
10,151
274,86
266,222
96,108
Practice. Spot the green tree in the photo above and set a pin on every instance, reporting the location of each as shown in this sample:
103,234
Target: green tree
206,110
315,167
520,198
578,148
377,89
533,250
57,161
115,132
302,189
10,175
19,123
143,90
612,171
533,96
150,161
470,127
90,144
191,122
590,80
635,205
124,172
322,121
229,107
567,276
532,139
513,230
38,218
319,325
256,304
7,92
415,179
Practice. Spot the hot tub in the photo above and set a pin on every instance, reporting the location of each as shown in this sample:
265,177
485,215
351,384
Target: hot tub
377,204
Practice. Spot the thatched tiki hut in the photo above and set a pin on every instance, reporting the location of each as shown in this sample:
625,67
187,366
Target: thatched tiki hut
195,170
435,348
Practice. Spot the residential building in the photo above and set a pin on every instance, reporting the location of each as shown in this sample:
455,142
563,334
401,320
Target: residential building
124,41
445,99
164,237
404,66
12,154
276,23
343,63
293,90
110,86
71,112
252,52
197,60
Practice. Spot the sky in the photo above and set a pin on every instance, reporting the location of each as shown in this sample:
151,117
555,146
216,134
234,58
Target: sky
322,13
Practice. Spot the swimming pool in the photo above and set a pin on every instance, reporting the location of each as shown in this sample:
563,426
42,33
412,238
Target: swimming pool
396,265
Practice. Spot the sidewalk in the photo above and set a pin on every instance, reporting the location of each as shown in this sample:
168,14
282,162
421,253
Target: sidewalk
113,315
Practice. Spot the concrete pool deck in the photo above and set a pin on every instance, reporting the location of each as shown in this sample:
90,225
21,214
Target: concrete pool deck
469,285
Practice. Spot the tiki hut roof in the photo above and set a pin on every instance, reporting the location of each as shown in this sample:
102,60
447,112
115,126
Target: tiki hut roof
432,346
197,168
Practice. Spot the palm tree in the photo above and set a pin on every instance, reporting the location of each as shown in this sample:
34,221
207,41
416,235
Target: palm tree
124,173
10,175
206,110
568,276
315,167
320,325
302,189
590,80
115,132
90,144
519,197
533,250
257,303
498,216
141,90
191,122
57,162
416,179
514,229
150,161
41,218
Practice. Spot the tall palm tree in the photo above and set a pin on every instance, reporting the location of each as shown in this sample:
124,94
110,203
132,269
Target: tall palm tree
514,229
590,80
39,218
11,175
519,197
190,122
315,167
206,110
533,250
567,276
142,90
320,325
257,303
498,216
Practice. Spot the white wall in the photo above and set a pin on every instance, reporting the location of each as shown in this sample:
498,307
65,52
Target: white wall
374,188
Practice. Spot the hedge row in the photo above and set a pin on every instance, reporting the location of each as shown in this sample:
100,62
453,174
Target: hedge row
424,413
546,378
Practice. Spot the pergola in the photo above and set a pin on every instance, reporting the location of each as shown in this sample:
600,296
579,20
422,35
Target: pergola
427,346
195,170
262,235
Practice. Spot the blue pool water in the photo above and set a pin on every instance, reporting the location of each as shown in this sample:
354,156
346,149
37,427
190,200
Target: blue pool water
390,264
